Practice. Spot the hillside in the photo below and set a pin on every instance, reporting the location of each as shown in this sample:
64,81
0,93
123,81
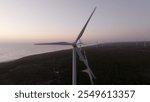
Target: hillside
113,64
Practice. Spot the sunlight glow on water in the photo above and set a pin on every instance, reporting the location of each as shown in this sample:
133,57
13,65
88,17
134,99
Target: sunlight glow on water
14,51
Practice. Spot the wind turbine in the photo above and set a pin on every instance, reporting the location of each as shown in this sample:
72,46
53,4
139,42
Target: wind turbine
77,51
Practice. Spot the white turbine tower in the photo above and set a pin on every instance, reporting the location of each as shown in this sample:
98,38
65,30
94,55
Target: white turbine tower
77,51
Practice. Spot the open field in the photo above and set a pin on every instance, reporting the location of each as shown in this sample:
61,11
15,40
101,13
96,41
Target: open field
113,64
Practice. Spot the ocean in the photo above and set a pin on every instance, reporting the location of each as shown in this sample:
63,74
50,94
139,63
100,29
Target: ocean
10,52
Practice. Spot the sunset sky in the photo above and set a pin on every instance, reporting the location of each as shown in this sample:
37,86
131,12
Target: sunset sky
62,20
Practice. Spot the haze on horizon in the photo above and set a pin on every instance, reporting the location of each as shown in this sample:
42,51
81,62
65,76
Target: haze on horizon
62,20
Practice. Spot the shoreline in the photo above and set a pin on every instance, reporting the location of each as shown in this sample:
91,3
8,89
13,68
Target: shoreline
33,55
120,65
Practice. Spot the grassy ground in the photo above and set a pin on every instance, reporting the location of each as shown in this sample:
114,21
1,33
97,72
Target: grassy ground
113,65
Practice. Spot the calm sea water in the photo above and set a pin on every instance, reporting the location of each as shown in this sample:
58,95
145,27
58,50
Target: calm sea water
10,52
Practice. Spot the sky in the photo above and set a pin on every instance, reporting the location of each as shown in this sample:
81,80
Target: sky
62,20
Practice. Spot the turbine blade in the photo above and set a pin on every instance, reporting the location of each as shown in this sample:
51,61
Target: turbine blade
80,45
85,61
82,31
79,54
55,43
90,76
88,69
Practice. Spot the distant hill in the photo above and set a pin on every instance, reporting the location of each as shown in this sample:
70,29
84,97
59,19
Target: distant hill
125,63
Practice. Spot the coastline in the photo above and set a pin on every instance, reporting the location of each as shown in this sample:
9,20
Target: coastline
112,66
